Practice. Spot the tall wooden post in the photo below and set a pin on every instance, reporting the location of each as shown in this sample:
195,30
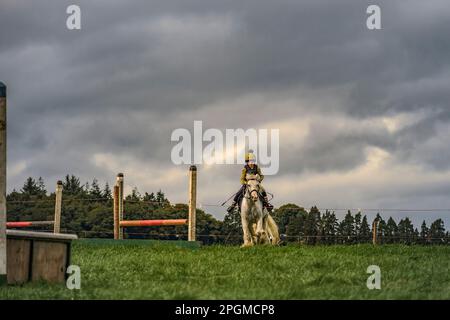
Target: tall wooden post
192,203
2,183
374,232
58,204
119,183
116,213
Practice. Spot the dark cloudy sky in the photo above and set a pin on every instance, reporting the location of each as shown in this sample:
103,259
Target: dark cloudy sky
364,116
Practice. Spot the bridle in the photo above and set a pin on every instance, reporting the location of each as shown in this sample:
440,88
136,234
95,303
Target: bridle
251,191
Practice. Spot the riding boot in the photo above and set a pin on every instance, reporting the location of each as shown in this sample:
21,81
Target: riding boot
267,205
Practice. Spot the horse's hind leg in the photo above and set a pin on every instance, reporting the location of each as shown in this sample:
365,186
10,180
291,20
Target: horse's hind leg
272,229
267,236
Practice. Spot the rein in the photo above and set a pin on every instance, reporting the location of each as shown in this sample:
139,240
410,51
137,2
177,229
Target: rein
228,199
250,192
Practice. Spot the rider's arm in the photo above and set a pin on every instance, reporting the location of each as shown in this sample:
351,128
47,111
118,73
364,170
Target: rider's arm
260,174
243,173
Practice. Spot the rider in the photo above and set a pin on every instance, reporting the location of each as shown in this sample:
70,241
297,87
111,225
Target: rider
251,168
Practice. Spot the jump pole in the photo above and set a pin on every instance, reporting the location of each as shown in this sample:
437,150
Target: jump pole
58,204
119,223
57,219
2,183
26,224
153,223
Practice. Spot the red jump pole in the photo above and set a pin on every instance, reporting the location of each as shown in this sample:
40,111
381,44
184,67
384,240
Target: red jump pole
151,223
24,224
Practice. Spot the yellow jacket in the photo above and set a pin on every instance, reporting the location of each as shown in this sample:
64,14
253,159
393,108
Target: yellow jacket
247,169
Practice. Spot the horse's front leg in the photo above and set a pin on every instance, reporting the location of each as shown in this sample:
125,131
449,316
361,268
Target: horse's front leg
261,230
253,233
248,241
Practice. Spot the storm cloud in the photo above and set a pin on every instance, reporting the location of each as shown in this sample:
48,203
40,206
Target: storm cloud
364,115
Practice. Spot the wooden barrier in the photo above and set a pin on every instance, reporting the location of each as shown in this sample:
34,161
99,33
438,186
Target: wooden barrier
117,228
192,203
120,223
37,256
119,183
58,205
375,231
153,223
56,223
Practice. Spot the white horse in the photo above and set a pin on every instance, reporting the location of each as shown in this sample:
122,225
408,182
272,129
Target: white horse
257,224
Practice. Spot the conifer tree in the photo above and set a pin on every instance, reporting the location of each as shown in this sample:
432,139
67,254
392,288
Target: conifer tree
94,190
30,187
311,226
364,233
347,229
135,196
391,233
357,220
107,192
41,186
437,232
72,185
406,231
329,225
424,233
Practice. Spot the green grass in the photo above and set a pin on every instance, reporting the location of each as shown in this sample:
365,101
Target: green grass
149,270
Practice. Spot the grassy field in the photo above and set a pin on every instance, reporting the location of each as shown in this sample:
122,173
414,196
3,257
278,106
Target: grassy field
152,270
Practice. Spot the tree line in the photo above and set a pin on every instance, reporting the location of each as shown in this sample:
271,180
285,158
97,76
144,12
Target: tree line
314,227
87,212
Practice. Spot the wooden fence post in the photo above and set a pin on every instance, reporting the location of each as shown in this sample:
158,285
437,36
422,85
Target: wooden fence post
192,203
3,278
120,185
58,205
375,232
116,213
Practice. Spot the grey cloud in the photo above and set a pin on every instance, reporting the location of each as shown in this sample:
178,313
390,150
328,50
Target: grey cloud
137,70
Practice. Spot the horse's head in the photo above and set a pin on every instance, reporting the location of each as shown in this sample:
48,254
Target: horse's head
253,186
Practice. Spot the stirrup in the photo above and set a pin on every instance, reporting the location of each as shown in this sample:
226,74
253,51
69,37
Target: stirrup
269,207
